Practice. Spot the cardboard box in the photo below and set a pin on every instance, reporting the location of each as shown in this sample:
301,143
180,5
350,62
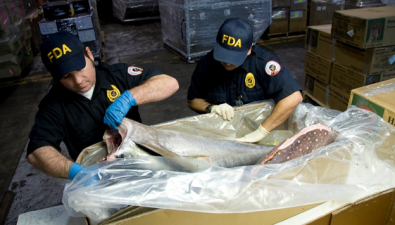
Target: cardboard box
317,90
337,162
365,28
279,21
147,216
318,67
319,41
378,98
297,21
376,208
370,210
281,3
318,11
347,79
372,61
298,5
331,8
338,99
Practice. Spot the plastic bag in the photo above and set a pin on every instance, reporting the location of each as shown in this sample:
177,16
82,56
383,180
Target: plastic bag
361,160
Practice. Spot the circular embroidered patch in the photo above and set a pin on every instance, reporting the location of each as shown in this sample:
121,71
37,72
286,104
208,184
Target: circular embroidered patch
272,68
134,71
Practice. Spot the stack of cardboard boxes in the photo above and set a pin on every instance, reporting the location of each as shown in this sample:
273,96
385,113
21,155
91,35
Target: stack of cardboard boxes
15,33
288,16
321,11
318,63
357,49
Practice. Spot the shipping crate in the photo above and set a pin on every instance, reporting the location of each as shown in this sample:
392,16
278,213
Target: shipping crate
378,98
189,28
347,79
316,90
280,21
372,61
318,66
319,41
317,13
297,21
365,28
338,98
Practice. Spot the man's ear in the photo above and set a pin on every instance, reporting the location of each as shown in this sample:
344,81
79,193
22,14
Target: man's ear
89,53
249,50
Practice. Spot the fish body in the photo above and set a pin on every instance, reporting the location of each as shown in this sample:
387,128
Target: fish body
168,143
304,142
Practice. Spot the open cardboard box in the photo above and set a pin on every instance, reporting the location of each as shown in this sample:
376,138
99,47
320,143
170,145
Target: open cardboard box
377,208
331,168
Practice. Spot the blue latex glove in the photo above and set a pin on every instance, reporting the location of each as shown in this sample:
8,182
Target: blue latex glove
74,170
118,109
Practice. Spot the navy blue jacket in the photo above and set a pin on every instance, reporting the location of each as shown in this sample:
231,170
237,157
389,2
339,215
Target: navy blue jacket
260,77
66,116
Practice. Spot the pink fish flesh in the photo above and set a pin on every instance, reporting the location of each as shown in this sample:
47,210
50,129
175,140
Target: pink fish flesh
304,142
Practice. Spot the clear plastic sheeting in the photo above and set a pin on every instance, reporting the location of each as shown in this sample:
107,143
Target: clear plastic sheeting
361,160
381,89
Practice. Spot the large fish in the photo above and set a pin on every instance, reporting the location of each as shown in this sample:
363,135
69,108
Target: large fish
304,142
168,143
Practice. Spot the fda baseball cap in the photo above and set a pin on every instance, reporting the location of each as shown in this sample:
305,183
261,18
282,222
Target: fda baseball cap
62,53
234,39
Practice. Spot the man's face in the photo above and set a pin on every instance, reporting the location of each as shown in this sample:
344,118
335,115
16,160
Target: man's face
230,67
80,81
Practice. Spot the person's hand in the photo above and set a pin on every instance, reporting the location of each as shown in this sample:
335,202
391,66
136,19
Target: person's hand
255,136
224,110
74,170
118,109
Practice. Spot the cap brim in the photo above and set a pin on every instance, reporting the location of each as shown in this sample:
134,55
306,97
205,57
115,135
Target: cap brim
76,62
229,56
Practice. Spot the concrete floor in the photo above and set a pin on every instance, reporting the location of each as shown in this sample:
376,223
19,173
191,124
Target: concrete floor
22,187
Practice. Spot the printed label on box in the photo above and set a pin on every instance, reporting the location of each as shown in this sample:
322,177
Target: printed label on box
364,103
296,14
376,30
389,117
278,14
